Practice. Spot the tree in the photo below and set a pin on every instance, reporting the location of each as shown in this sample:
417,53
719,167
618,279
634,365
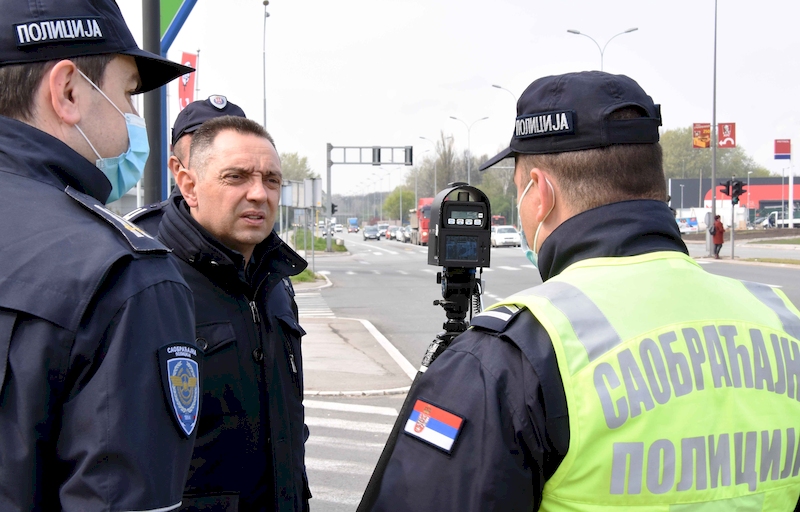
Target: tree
295,168
392,208
681,160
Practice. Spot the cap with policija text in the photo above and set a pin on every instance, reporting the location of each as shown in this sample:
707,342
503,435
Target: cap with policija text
571,112
198,112
46,30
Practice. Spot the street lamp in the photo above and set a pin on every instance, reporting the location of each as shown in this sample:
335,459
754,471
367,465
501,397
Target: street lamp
603,49
264,64
681,200
748,195
509,92
469,143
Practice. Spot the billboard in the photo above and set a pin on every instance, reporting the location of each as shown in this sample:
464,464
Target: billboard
783,149
726,135
701,135
186,82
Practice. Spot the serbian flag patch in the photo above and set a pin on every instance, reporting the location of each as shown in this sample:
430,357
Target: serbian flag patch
434,425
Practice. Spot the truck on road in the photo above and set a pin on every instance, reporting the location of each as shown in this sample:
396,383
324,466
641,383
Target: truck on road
780,219
352,225
420,219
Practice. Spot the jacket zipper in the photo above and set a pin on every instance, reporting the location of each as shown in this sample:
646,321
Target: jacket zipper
257,320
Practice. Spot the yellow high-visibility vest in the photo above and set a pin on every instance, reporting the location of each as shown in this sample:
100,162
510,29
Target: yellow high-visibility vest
683,388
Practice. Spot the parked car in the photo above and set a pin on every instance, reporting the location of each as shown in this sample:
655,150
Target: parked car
504,236
371,233
382,230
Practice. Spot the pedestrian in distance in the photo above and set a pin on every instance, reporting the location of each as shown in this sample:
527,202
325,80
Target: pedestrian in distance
250,449
99,371
718,236
631,378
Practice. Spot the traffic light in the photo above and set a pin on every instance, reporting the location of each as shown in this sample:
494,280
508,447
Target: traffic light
333,208
737,190
725,187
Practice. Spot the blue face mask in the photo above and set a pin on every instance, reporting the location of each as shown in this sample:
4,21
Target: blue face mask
531,254
125,170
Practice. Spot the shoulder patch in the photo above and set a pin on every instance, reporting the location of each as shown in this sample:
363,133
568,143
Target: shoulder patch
144,211
138,239
496,319
180,367
434,425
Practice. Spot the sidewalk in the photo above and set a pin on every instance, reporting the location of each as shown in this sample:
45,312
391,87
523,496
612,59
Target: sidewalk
350,357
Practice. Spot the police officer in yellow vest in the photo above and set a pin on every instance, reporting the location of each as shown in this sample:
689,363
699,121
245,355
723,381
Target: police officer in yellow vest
631,378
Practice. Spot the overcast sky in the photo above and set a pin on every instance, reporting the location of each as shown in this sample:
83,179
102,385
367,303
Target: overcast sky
385,72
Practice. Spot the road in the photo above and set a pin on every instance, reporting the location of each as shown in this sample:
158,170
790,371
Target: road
391,285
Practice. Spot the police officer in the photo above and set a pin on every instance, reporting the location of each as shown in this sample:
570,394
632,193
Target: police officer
99,373
631,377
249,454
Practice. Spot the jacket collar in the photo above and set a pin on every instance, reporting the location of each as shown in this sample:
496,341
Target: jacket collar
40,156
627,228
192,243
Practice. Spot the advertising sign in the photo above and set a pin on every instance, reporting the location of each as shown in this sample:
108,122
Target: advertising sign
783,149
186,82
726,135
701,135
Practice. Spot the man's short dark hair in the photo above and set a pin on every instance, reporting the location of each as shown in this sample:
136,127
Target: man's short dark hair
19,83
595,177
203,138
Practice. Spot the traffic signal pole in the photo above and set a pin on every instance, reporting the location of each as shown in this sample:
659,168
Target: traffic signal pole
733,216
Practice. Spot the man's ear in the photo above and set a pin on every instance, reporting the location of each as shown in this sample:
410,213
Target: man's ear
544,192
174,166
65,96
187,182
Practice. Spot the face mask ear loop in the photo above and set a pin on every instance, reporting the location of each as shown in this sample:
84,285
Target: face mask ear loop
101,92
87,141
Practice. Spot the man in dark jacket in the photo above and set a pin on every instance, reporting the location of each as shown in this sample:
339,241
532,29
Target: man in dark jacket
249,454
99,373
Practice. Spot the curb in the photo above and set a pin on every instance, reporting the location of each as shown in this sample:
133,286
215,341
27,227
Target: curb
371,392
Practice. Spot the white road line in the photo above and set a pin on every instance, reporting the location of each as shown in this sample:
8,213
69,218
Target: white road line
487,269
377,253
350,273
324,272
338,466
402,272
360,426
333,495
350,444
336,406
401,361
508,268
429,270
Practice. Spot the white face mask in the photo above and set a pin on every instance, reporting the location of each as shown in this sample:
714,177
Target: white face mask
531,254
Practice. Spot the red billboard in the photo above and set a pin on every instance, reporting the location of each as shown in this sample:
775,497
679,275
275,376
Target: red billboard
186,82
783,149
726,135
701,135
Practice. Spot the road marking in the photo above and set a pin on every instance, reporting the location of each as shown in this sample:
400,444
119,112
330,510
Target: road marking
487,269
377,253
402,272
338,466
395,354
361,426
324,272
350,273
336,406
377,272
334,495
350,444
312,305
429,270
508,268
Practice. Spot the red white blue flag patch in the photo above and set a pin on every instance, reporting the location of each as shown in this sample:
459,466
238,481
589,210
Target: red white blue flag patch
434,425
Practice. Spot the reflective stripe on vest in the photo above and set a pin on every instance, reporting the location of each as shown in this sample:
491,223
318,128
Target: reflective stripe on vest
683,388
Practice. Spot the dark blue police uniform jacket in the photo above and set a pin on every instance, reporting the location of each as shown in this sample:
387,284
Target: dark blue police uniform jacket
86,304
250,448
501,376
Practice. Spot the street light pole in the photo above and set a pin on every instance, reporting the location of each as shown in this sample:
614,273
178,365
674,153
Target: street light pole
264,63
748,196
681,200
603,49
469,144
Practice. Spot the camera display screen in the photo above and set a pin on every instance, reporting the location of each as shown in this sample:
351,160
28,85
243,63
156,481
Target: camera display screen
461,248
456,214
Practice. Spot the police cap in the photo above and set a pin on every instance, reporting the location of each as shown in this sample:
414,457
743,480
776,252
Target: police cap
198,112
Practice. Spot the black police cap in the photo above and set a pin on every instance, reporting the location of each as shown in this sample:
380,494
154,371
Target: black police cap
46,30
198,112
571,112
